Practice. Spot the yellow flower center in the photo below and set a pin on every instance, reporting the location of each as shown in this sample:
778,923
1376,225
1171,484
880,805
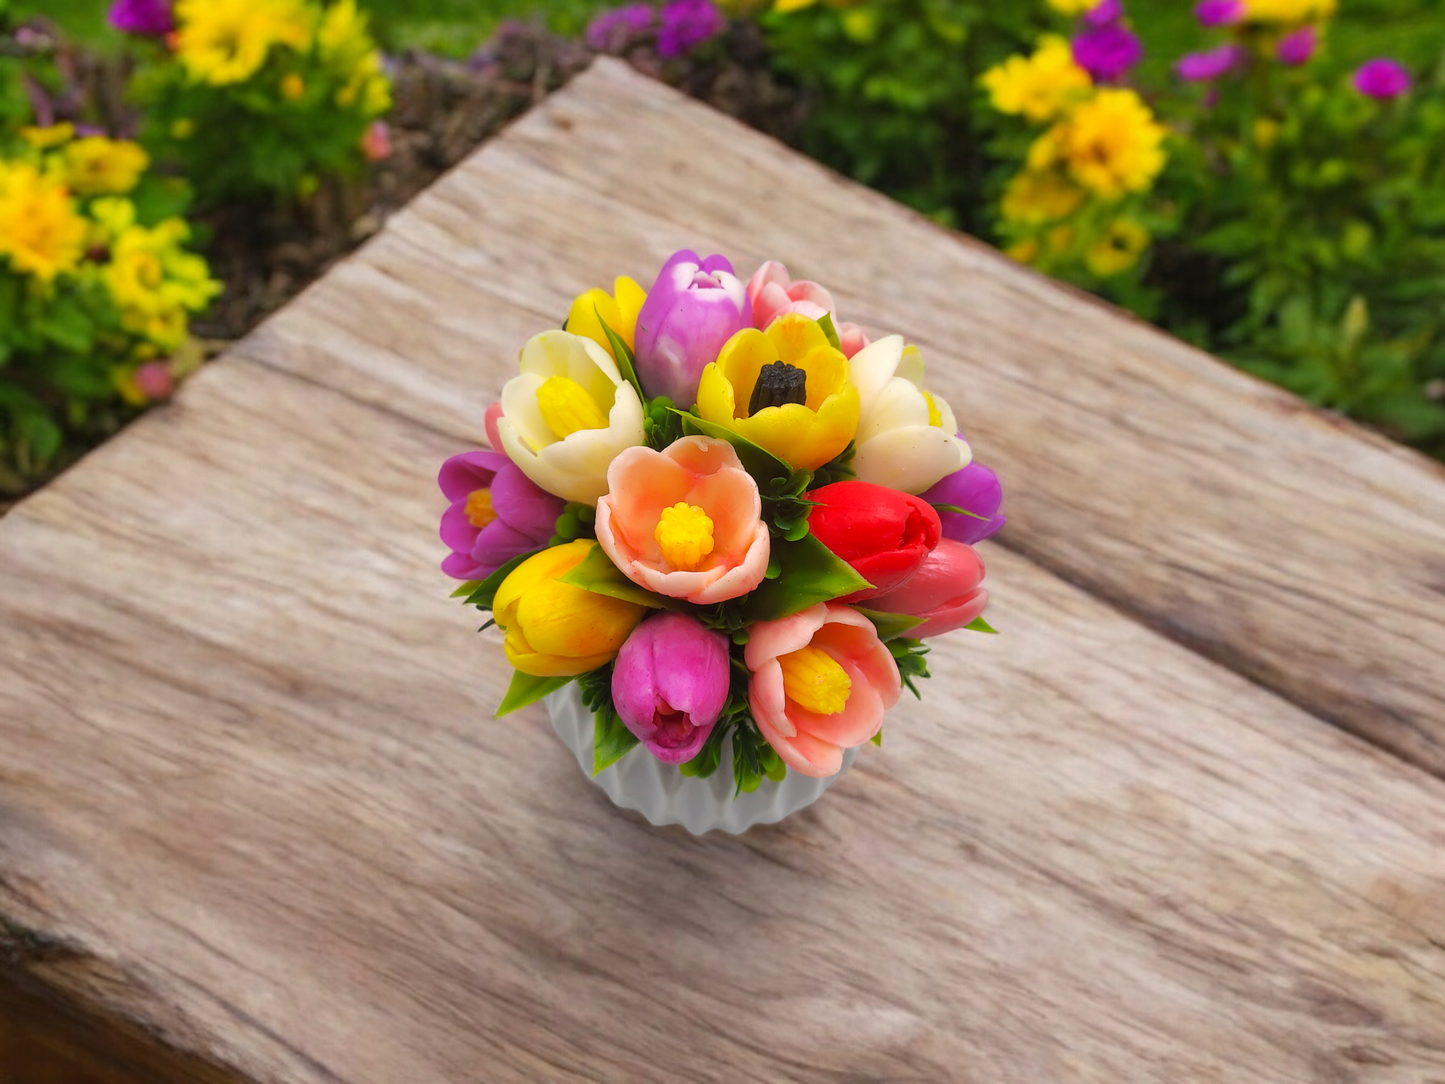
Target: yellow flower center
685,534
934,417
479,508
814,681
566,407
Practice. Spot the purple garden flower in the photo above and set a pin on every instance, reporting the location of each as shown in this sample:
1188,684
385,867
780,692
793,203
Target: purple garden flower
612,31
975,489
496,513
1219,12
1296,48
1212,64
1107,52
1104,13
151,18
694,307
1382,78
670,683
686,24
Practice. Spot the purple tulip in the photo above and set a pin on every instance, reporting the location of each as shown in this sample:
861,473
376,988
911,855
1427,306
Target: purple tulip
670,683
1211,64
1107,52
686,24
1382,78
1104,13
613,31
151,18
1219,12
496,513
1297,48
694,307
975,489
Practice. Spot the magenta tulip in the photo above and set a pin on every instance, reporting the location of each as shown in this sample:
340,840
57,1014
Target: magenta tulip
975,489
694,307
946,591
496,513
670,684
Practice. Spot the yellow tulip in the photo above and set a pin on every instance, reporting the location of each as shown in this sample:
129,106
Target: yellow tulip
619,311
806,434
555,629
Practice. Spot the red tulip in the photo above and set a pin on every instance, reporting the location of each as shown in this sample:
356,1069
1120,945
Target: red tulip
882,533
945,591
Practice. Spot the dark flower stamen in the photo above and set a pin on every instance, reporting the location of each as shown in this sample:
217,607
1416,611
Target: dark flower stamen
778,383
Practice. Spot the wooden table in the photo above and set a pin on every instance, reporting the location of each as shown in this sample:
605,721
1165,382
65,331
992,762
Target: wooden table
1183,821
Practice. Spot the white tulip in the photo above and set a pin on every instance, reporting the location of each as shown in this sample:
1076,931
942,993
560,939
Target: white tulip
568,415
906,436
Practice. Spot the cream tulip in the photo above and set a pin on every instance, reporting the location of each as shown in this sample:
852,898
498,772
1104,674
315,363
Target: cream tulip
568,415
906,436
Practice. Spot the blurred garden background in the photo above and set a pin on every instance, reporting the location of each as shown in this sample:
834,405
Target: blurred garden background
1264,178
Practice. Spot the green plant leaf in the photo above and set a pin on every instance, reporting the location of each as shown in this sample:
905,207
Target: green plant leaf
757,460
467,589
890,626
626,362
978,624
957,511
826,323
597,573
526,689
611,740
709,757
877,739
811,573
486,591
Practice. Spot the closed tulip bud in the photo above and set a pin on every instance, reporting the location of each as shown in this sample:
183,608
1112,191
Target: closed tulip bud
975,489
946,591
670,684
882,533
555,629
694,307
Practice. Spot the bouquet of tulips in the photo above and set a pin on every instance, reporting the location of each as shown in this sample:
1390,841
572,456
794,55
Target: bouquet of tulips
725,514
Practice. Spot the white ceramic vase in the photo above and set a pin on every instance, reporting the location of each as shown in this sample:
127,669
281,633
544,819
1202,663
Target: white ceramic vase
664,795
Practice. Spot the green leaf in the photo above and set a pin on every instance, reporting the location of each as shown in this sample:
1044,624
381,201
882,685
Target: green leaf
957,511
773,766
811,573
611,740
467,589
708,758
597,573
978,624
626,362
757,460
890,626
526,689
826,323
486,591
877,739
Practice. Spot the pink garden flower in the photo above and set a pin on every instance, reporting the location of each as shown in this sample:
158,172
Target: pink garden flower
1296,48
685,522
945,591
1212,64
670,684
1382,79
1219,12
821,682
774,294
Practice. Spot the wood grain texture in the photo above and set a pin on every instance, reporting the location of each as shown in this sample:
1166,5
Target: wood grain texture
253,805
1295,548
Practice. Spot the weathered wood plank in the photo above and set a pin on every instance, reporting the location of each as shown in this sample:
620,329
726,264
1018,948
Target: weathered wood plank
1294,548
252,801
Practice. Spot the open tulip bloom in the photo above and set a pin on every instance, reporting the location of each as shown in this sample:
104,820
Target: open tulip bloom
727,515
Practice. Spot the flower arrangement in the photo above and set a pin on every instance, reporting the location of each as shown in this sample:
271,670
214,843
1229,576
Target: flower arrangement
96,290
725,513
259,98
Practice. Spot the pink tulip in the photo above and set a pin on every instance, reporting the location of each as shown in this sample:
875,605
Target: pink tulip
808,741
774,294
945,591
670,683
685,522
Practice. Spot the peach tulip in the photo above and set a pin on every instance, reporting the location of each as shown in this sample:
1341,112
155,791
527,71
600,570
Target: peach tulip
821,682
774,294
685,522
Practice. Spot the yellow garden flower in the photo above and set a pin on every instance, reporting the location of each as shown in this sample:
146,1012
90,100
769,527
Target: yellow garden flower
1288,11
41,233
152,279
619,310
347,48
806,434
96,166
1110,144
49,137
1118,250
1038,86
227,41
1072,7
1036,198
